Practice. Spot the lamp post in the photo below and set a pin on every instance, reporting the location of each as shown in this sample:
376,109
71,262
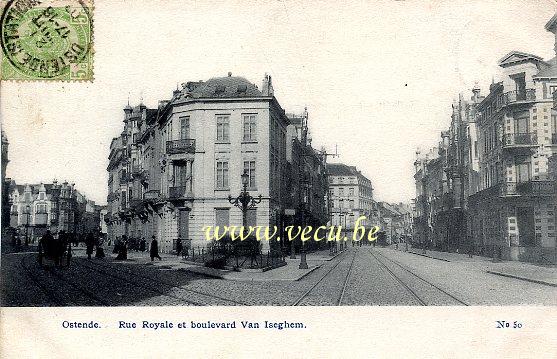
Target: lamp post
245,202
305,202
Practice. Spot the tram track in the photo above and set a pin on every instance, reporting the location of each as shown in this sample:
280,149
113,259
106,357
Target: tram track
397,278
49,293
38,283
156,283
307,293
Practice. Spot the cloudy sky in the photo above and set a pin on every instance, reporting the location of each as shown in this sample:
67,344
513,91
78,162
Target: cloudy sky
378,77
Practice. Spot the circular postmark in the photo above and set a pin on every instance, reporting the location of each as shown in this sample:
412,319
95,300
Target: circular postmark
46,39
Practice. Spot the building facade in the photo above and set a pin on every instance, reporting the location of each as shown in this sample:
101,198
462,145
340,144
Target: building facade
36,208
498,167
173,168
351,196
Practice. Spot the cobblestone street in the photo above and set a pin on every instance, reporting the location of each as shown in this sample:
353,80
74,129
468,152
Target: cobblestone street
358,276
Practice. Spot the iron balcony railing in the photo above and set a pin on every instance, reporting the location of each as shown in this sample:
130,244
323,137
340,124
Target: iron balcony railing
520,95
152,194
520,139
180,146
179,192
533,188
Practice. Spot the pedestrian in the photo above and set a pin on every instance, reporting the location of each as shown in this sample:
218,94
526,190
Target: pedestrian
90,244
123,249
178,246
46,242
470,250
154,250
142,244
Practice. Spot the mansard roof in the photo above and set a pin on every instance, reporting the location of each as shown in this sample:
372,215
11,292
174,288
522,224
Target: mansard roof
340,169
220,87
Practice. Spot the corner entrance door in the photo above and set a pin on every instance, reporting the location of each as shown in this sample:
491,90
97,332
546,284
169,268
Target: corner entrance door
183,226
525,221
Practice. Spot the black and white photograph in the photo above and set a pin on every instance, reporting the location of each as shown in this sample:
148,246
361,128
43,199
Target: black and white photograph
278,154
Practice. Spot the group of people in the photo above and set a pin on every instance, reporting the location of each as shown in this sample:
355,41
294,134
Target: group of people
122,244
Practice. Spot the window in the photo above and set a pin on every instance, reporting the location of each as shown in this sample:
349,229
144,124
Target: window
249,168
40,208
522,169
181,176
351,191
249,128
222,175
341,191
351,204
552,90
42,195
184,127
223,128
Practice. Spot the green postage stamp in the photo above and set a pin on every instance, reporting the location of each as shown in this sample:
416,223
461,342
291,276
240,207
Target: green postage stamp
47,40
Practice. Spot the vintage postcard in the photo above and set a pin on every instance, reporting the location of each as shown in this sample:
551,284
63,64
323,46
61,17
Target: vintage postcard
197,172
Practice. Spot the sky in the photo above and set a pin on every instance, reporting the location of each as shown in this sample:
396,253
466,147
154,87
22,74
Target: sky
378,77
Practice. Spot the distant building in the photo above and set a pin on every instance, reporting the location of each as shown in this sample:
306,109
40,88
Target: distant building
5,184
351,196
36,208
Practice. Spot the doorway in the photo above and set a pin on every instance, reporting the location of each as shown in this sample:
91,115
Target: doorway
526,227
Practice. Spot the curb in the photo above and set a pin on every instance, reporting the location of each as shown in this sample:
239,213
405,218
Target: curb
425,255
306,274
522,278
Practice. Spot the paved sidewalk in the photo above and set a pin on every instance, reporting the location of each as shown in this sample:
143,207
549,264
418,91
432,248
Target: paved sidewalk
289,272
542,274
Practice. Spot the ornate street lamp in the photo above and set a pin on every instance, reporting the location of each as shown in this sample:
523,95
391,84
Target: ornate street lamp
245,202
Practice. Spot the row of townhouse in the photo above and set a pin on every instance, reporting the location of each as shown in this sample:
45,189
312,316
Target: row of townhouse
491,186
36,208
173,168
395,220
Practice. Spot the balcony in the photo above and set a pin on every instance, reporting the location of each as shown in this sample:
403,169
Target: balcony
520,139
152,195
179,192
554,137
529,188
180,146
520,96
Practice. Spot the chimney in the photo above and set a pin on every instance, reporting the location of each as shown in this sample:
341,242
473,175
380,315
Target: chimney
267,86
476,91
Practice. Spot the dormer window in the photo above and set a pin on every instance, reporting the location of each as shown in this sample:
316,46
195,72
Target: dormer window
219,89
242,88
